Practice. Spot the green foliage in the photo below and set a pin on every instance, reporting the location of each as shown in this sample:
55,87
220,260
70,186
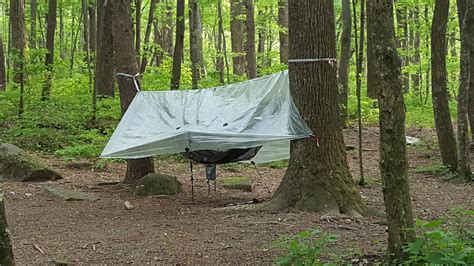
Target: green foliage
305,248
445,241
438,170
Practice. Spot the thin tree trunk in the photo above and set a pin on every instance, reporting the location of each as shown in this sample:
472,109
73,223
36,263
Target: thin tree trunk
237,37
6,250
138,27
219,48
149,25
318,176
167,44
158,41
193,43
402,42
393,156
85,22
3,69
178,47
126,60
92,29
33,11
372,78
417,57
251,54
18,43
104,73
466,16
200,41
283,33
51,28
344,60
62,51
439,75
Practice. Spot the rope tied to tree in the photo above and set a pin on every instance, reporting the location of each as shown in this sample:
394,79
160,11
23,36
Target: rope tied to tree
331,61
134,77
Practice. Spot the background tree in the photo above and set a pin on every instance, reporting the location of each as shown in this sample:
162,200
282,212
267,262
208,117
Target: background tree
3,67
32,37
17,21
283,31
439,75
237,37
149,25
194,41
318,177
344,59
126,62
51,28
178,47
250,53
104,70
393,157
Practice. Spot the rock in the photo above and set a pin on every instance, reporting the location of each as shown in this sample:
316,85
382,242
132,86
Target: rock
15,164
237,182
128,205
70,195
156,184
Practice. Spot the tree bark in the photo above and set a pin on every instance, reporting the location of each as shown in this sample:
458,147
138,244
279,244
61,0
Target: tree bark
178,47
3,69
126,62
194,42
318,176
168,26
251,54
51,28
393,157
237,37
402,28
149,25
62,50
92,29
466,17
17,24
439,75
372,78
33,11
85,23
104,70
283,32
158,42
138,27
6,250
344,60
219,44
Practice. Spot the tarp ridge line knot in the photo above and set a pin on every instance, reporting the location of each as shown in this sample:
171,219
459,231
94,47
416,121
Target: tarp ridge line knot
135,81
331,61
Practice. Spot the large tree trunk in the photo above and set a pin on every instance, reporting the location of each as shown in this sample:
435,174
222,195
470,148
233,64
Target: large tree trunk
283,34
393,157
3,69
126,61
237,37
439,75
344,60
6,250
194,42
471,88
104,70
51,28
149,25
251,54
318,176
466,21
178,47
33,11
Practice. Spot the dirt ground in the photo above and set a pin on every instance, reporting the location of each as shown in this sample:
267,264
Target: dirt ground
174,231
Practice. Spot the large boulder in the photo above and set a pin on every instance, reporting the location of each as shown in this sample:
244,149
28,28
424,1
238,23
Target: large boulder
156,184
17,165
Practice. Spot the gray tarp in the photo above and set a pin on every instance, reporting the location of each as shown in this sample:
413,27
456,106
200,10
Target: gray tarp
248,114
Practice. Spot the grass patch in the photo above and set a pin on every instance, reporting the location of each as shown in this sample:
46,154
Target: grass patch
236,182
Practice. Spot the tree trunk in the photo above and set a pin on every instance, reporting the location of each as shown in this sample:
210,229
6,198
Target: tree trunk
62,50
104,70
344,60
6,250
466,16
439,75
417,57
372,78
92,29
3,69
158,42
393,157
219,45
251,54
283,33
402,34
138,27
193,42
471,88
167,44
33,11
318,176
85,23
126,61
178,47
51,28
149,25
237,37
200,42
17,24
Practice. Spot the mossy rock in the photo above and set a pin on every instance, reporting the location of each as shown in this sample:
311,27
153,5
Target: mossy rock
156,184
236,182
17,165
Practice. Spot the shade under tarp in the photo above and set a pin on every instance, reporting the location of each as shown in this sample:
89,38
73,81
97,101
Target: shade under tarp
258,112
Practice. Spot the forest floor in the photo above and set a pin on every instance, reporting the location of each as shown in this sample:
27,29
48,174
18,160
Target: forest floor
172,230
